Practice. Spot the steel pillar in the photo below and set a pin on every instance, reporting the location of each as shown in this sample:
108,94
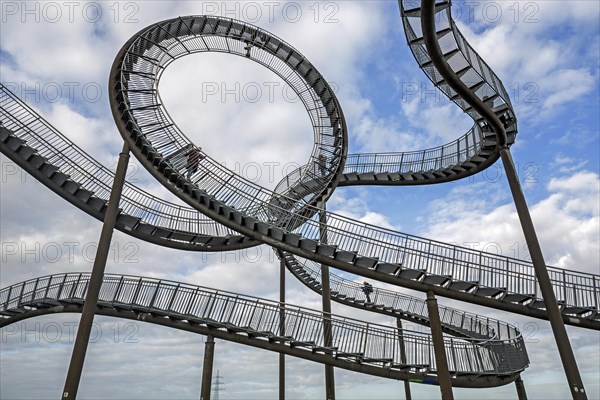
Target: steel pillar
209,356
539,264
556,321
407,394
441,362
282,327
93,291
521,393
326,298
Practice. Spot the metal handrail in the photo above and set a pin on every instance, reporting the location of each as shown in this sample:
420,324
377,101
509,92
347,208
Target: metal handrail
74,162
251,200
476,326
370,343
432,159
573,288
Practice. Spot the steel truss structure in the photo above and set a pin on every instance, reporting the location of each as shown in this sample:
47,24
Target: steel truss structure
227,212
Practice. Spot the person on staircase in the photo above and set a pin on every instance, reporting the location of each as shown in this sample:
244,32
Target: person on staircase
367,290
193,159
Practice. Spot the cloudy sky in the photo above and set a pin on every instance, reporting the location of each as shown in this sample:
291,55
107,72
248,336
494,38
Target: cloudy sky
56,56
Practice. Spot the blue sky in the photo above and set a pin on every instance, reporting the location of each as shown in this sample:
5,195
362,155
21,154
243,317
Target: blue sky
57,57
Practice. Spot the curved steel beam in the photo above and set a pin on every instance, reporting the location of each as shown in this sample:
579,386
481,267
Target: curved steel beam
435,53
357,346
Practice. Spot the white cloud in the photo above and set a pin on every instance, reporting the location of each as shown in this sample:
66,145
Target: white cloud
166,363
541,51
568,85
569,239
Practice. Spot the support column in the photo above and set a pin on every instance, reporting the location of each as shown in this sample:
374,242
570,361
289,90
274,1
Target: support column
407,394
428,11
522,395
282,327
539,264
438,347
209,356
326,298
91,298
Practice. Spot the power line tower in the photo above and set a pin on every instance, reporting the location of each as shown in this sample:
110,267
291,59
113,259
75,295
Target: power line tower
217,382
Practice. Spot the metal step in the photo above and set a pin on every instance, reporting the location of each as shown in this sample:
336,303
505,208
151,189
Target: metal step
308,244
412,274
83,194
326,250
345,256
365,262
439,280
5,133
14,143
59,178
96,203
48,170
25,152
462,286
355,356
489,292
71,186
517,298
387,268
37,161
299,343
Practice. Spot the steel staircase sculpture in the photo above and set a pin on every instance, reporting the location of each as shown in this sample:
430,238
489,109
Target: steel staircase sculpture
241,214
401,259
357,345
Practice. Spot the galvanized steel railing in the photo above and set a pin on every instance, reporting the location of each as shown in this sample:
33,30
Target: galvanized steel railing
434,159
460,321
142,111
71,160
364,342
462,264
462,58
573,289
385,246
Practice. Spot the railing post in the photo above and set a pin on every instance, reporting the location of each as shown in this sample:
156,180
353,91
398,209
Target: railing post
8,296
74,288
151,304
22,290
454,362
596,293
443,373
117,291
91,298
137,291
564,282
47,287
62,285
365,339
173,297
35,289
192,298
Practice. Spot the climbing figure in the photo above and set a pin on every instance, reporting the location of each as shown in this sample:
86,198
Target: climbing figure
193,159
367,290
247,48
321,161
